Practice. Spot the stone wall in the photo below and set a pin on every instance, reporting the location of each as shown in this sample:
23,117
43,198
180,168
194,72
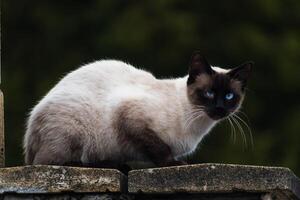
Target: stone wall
202,181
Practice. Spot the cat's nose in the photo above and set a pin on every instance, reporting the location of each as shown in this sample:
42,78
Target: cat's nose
220,104
220,111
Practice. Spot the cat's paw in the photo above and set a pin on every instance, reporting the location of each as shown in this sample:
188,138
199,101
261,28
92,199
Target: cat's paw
176,163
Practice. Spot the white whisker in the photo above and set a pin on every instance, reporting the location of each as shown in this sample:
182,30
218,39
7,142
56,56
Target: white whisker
192,119
249,129
240,129
192,113
233,131
192,116
244,114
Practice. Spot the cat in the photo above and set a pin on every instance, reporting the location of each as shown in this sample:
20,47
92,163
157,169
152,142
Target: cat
111,112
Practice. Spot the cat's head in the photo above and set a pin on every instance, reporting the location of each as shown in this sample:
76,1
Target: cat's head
217,91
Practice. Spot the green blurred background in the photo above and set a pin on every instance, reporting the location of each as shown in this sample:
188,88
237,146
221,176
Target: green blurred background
43,40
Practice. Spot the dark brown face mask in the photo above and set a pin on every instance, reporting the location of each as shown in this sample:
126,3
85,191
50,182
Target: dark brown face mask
219,93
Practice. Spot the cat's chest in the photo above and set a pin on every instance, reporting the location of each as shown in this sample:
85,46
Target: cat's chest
187,140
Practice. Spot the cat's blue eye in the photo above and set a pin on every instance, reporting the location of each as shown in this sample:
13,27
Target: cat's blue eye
209,94
229,96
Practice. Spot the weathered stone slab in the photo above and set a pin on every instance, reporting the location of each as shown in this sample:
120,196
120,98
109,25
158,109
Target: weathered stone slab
216,178
67,196
56,179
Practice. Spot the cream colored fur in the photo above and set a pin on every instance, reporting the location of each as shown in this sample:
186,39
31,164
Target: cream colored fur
83,107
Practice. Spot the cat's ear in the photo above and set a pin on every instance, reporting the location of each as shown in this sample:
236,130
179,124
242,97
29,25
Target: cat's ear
198,65
242,72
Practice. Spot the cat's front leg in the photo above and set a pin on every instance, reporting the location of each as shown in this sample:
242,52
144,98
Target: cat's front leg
134,128
148,143
174,162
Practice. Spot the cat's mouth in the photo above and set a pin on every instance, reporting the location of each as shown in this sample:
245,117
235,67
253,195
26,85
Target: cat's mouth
217,113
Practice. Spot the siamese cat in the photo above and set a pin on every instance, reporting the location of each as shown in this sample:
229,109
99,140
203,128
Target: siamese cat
110,112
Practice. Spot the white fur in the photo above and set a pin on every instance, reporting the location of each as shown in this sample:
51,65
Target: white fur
95,91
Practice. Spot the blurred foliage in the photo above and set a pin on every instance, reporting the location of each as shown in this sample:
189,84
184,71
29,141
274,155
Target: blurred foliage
43,40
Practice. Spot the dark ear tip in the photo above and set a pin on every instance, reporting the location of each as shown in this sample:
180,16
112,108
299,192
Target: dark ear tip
196,55
250,62
249,65
196,52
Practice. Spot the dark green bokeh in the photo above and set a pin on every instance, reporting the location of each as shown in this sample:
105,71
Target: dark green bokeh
43,40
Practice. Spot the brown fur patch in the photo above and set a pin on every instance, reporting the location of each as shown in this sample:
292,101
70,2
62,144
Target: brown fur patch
34,140
53,144
134,129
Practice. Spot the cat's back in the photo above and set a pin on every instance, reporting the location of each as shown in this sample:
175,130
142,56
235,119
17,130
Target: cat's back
103,81
97,81
96,85
106,73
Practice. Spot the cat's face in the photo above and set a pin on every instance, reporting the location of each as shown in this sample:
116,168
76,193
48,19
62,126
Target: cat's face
218,92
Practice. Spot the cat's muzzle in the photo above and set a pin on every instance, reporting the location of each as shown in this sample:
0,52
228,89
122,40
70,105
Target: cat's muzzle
217,113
